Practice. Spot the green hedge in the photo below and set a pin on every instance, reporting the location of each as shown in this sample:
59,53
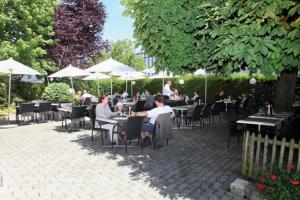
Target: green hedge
263,90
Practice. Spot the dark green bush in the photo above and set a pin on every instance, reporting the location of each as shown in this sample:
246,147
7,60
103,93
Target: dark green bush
58,92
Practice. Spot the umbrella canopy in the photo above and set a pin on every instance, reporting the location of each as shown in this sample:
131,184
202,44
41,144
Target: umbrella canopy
112,66
31,79
200,72
96,76
11,66
69,71
130,76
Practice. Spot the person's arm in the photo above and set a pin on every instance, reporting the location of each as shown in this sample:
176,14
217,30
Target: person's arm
142,114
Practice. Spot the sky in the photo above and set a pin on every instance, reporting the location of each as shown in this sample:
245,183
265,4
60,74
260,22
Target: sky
116,27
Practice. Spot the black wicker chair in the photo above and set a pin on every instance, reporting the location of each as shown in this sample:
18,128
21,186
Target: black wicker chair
235,129
43,109
77,115
26,110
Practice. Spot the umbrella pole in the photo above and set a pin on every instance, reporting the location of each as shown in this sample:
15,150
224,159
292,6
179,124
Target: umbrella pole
205,88
126,85
163,83
131,89
72,84
110,84
98,88
9,93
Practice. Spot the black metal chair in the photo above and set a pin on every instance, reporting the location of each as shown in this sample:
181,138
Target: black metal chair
216,110
43,109
140,106
77,115
292,129
26,110
195,117
87,101
235,129
163,131
149,102
92,115
205,114
132,129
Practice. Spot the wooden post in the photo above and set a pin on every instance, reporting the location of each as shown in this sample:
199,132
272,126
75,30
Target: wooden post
273,152
266,144
245,153
257,155
281,155
291,152
250,172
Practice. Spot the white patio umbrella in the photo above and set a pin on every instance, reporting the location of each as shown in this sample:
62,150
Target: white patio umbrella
11,67
96,76
131,76
70,72
113,67
203,72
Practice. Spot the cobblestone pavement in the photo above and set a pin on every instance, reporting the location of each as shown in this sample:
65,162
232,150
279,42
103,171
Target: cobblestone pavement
41,161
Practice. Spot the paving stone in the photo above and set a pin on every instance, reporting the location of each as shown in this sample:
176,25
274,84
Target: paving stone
42,161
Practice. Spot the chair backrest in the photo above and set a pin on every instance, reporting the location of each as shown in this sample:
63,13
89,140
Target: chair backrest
231,116
65,105
78,112
133,127
217,108
149,101
27,107
164,126
87,101
92,115
18,103
140,106
206,110
196,115
44,107
292,129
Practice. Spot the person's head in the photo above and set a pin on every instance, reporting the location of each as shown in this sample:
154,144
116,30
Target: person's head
244,95
195,93
119,106
159,100
169,83
84,91
79,93
147,93
175,92
103,100
137,94
221,93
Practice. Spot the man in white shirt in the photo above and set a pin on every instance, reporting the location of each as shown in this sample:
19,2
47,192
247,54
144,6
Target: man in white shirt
153,114
167,91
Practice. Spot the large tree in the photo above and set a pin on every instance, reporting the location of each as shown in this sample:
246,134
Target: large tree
26,30
78,32
123,51
225,36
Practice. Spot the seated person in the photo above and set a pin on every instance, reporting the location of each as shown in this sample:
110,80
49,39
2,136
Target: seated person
119,107
103,110
242,101
124,95
137,97
78,96
85,94
176,95
220,96
152,114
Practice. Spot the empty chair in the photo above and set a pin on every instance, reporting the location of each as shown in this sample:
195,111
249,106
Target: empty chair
195,117
92,115
234,129
140,106
44,109
77,115
26,110
205,114
149,102
216,110
132,129
163,130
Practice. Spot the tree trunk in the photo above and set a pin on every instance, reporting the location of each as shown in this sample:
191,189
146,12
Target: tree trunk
286,85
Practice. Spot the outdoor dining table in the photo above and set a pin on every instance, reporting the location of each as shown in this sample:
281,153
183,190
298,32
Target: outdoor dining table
260,122
182,110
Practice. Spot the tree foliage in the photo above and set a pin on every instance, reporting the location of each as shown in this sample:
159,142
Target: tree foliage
57,92
123,51
260,35
165,30
225,35
25,31
78,29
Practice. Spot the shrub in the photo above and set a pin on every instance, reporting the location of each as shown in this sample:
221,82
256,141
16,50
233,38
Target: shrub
58,92
281,184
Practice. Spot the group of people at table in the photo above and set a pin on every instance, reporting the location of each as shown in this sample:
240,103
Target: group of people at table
103,110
